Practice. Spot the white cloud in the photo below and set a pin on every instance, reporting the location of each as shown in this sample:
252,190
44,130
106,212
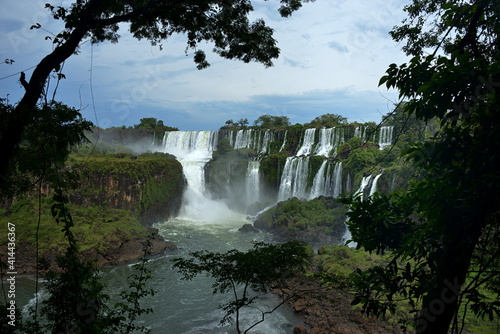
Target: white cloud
340,48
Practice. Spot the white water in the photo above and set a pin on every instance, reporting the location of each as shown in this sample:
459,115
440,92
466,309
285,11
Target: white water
320,180
284,142
253,181
327,182
385,136
294,178
206,224
194,149
329,140
307,143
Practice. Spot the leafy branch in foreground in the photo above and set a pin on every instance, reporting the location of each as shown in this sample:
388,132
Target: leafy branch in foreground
131,308
260,269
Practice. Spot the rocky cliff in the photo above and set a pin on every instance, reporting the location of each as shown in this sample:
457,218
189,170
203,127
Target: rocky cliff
113,198
149,185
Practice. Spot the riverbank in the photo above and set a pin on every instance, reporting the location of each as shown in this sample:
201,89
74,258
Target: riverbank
116,252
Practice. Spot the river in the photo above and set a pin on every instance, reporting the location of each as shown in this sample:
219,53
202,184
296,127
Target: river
182,307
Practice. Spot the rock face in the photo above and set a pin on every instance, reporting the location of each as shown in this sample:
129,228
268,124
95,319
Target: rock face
150,185
113,195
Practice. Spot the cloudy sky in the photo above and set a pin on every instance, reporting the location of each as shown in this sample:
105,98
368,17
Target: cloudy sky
333,53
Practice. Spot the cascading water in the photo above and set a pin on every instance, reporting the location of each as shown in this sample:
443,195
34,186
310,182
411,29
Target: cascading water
337,180
385,136
327,182
329,140
360,132
307,143
294,178
284,142
264,147
253,181
243,139
205,224
320,181
194,149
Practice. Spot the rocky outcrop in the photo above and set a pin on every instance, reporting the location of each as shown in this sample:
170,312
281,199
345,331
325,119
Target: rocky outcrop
150,185
121,252
327,311
316,222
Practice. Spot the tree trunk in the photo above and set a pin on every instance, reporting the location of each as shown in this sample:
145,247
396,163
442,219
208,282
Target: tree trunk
441,302
24,112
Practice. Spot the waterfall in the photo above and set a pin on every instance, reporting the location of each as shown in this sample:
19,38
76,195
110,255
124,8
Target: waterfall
360,132
337,180
284,142
327,182
373,188
243,139
190,145
253,182
194,149
320,181
294,178
266,141
307,143
385,136
329,140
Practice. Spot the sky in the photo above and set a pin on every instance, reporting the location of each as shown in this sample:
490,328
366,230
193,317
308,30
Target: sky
333,53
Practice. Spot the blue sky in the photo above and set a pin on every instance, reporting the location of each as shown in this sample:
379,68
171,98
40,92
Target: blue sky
333,53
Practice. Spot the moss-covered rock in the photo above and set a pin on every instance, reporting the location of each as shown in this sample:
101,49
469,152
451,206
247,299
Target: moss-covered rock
109,236
318,221
149,185
271,168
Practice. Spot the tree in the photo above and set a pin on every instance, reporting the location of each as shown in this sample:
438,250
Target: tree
327,121
260,269
50,135
444,230
146,123
271,122
226,24
243,122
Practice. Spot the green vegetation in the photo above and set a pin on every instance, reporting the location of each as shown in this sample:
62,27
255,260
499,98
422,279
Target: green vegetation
52,133
344,260
153,124
96,227
445,226
271,122
321,214
136,183
327,121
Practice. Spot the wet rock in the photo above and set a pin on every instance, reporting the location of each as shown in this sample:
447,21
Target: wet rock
299,329
247,228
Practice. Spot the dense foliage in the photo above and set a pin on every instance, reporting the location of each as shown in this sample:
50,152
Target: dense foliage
447,221
53,131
